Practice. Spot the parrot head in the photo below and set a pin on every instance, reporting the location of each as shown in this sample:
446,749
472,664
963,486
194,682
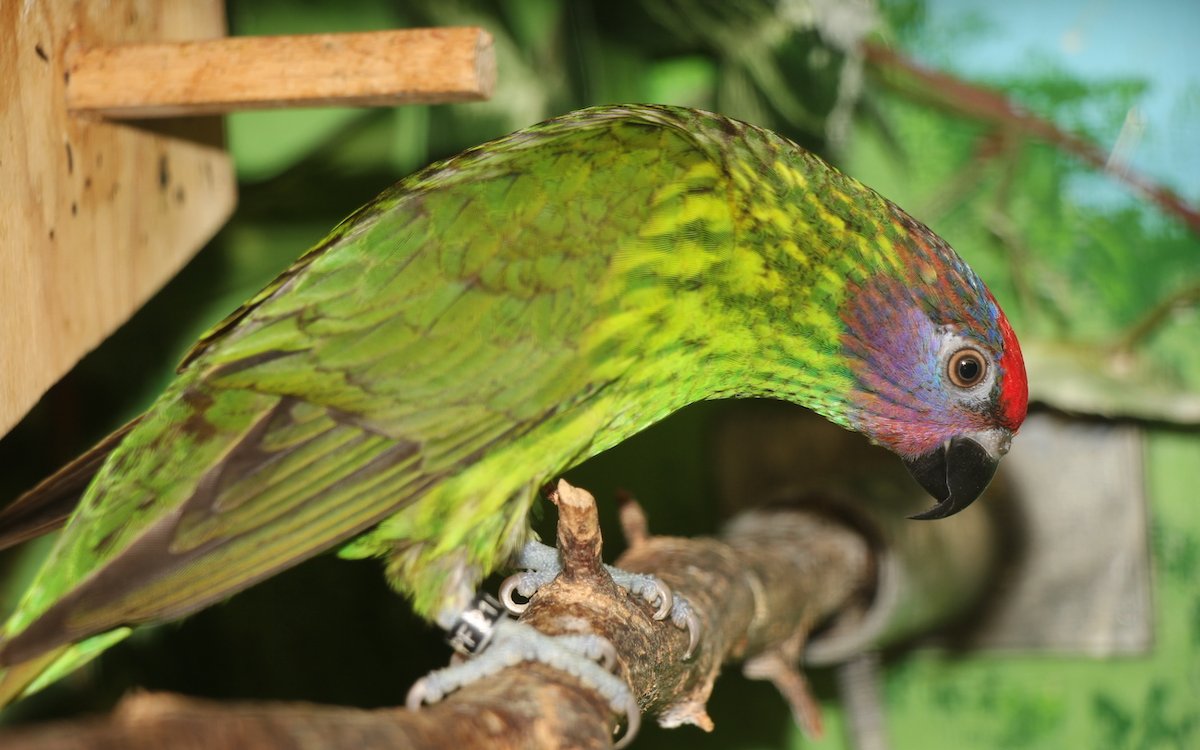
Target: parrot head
937,373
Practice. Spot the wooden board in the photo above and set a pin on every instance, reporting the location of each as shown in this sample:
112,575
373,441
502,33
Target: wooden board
96,215
407,66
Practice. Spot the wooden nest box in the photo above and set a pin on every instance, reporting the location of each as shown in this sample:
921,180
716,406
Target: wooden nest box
112,162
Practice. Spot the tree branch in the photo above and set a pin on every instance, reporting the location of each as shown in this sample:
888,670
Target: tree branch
977,102
758,590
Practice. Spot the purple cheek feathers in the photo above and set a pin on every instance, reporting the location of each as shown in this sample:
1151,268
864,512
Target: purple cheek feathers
892,350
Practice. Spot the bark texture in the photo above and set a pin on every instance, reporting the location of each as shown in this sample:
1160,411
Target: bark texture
758,590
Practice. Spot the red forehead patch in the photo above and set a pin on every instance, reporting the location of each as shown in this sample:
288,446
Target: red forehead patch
1014,387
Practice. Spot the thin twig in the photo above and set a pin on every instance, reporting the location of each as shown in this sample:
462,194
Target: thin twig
1152,320
980,103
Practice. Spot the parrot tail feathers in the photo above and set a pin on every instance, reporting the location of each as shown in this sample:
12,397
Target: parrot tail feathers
28,677
16,679
47,506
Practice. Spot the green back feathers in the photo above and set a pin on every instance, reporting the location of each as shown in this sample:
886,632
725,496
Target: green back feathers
483,325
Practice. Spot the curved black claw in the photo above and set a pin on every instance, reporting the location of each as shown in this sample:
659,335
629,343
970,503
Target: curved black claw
652,589
524,585
685,618
955,473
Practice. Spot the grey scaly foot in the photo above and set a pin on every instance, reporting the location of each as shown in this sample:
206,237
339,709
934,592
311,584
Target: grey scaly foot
511,643
541,564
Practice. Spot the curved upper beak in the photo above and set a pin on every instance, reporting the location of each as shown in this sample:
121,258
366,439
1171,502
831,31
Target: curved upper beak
958,471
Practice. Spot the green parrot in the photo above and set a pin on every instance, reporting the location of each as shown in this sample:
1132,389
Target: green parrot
404,389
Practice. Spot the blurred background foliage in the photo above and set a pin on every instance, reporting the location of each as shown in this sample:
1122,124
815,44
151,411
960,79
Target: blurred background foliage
1100,280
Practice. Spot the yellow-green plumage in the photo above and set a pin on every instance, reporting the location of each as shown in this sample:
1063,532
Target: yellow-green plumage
483,325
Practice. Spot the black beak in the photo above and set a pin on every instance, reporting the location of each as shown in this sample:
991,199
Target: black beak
954,473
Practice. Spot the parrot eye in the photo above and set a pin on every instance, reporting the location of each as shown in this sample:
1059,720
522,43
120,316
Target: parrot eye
967,367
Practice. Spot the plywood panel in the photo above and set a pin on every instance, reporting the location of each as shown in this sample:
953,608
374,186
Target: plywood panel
96,216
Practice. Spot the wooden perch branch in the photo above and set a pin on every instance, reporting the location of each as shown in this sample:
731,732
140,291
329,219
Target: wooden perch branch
758,591
214,76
